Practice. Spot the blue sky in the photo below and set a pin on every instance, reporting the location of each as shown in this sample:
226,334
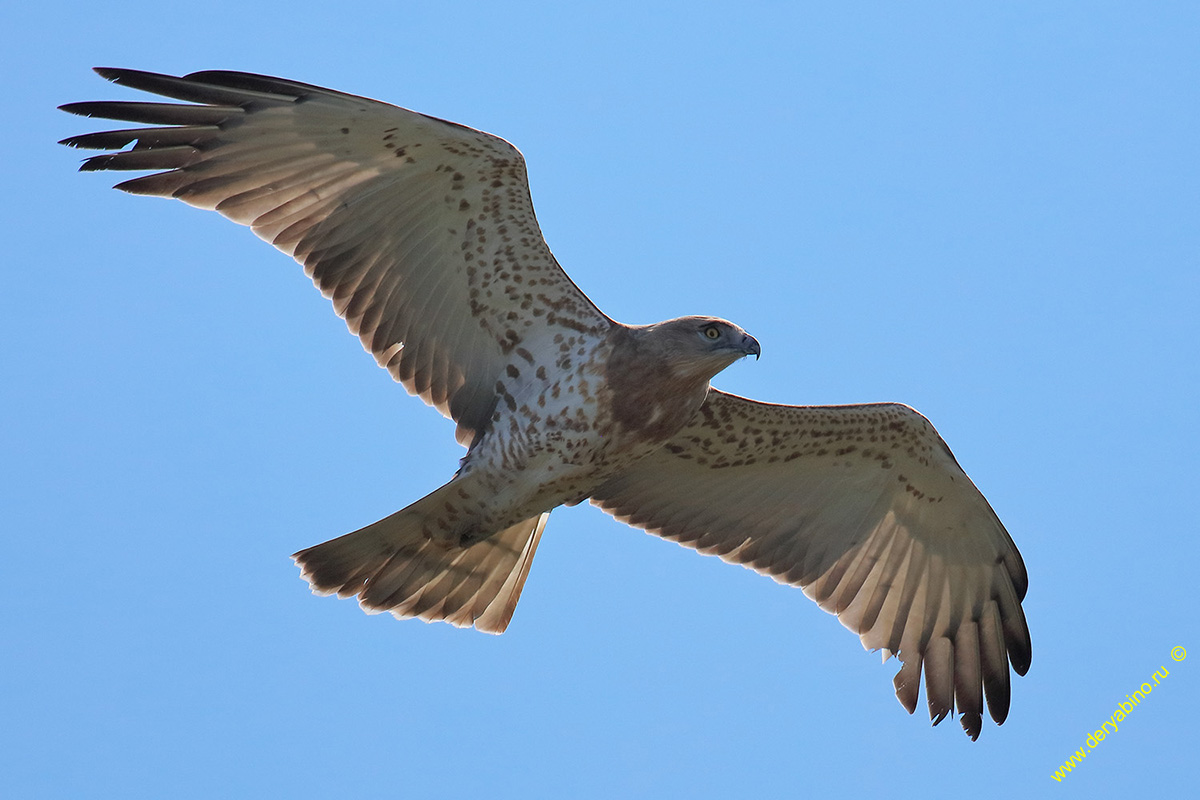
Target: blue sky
988,214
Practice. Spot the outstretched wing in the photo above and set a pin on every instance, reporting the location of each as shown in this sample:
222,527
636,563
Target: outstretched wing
420,231
865,508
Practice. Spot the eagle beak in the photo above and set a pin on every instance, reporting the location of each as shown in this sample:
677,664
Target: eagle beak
750,345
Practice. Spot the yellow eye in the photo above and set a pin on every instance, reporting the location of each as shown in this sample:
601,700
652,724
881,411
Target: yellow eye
712,333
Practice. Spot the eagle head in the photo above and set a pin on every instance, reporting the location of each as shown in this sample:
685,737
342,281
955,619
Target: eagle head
700,346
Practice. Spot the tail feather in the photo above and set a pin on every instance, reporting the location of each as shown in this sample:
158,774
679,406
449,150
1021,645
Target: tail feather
499,611
393,566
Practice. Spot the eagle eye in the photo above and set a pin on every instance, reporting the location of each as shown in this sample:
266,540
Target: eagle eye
712,332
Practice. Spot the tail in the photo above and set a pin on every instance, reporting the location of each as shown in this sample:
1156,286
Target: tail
393,566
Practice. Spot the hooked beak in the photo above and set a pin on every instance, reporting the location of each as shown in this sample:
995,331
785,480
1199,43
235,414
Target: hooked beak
750,346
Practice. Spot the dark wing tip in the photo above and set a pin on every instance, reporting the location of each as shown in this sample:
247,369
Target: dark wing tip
110,73
972,724
998,701
83,109
253,82
1020,647
205,83
1021,655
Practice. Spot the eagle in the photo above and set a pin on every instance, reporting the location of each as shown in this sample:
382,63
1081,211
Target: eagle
422,233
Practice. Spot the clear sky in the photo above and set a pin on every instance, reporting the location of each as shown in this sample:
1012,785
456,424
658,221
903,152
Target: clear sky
988,214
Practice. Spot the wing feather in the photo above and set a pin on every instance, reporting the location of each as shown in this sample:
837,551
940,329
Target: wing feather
864,508
420,231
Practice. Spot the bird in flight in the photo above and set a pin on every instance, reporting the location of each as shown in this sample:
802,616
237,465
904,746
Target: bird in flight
422,234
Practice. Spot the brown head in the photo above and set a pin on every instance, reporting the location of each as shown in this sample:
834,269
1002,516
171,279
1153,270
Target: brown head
658,374
697,347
